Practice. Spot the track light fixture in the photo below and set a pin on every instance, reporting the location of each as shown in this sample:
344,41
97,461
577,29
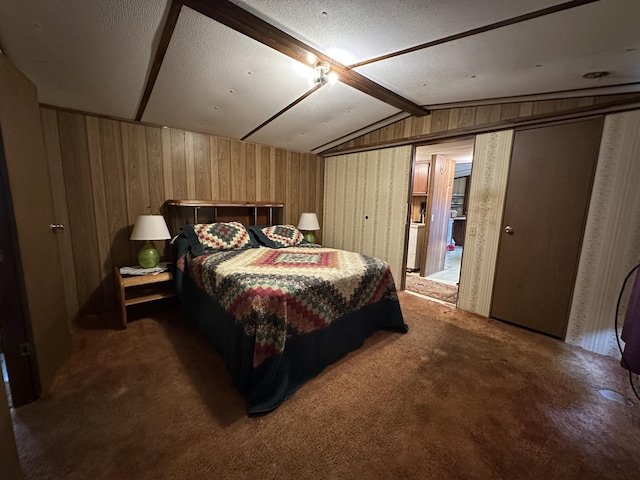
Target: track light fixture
323,74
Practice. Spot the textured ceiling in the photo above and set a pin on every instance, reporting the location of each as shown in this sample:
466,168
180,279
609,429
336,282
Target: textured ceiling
88,55
362,30
538,56
98,56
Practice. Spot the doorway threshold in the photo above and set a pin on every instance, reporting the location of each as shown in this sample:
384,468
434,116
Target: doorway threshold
437,300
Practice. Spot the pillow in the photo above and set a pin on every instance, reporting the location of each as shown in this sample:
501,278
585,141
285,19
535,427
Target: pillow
211,237
278,236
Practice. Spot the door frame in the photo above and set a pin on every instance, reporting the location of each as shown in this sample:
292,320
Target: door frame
440,142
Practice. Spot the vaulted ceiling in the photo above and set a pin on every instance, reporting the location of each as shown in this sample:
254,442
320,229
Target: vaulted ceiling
241,69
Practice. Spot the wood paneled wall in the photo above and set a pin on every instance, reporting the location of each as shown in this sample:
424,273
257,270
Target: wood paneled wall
112,171
451,119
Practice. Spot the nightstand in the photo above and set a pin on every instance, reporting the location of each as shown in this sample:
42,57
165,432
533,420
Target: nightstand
134,289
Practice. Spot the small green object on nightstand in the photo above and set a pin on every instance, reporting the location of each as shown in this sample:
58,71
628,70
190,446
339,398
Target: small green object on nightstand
309,223
147,228
148,256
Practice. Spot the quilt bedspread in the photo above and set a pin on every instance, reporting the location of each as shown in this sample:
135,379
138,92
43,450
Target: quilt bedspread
276,294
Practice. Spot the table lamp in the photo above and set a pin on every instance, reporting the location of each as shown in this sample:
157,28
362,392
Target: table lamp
149,227
309,223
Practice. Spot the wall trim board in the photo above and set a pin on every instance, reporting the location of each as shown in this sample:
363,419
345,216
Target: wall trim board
491,157
611,243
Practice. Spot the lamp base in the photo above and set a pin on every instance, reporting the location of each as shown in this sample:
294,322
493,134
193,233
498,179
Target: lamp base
310,237
148,256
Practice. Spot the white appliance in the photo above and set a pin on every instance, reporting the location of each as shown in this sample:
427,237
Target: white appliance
416,239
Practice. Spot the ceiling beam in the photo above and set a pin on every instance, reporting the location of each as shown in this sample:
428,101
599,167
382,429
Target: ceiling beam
291,105
475,31
248,24
165,38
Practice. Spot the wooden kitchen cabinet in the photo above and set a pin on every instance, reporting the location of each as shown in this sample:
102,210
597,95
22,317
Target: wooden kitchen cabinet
421,178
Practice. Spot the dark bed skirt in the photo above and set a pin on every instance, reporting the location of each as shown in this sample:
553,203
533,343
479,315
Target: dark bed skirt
305,356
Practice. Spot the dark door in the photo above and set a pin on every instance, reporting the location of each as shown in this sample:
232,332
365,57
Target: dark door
36,255
548,191
13,327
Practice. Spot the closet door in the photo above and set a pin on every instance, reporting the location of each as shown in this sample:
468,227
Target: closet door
366,204
44,319
548,193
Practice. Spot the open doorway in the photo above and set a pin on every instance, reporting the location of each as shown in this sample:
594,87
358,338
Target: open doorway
442,176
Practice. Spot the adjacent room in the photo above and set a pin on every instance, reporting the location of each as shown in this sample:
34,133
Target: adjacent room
275,239
439,204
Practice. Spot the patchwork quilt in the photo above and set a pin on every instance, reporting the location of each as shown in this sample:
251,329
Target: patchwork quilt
278,293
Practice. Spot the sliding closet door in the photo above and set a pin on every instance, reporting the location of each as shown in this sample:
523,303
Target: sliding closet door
545,210
365,204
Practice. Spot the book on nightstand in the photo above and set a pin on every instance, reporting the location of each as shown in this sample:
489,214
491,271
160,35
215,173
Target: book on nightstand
138,270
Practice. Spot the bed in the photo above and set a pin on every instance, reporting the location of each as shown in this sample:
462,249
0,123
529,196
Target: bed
277,308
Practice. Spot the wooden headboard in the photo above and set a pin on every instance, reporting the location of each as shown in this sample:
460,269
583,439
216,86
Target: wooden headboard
184,212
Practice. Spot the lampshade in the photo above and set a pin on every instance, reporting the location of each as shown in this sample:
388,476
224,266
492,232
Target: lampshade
308,222
150,227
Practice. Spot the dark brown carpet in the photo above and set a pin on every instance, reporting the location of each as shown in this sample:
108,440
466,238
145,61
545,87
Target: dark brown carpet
459,396
423,286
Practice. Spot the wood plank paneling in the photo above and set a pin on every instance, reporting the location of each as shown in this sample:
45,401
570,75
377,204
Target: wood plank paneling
448,120
293,180
213,166
224,169
238,171
467,117
264,174
201,166
115,192
189,162
136,175
308,188
155,168
178,164
250,171
319,197
56,172
280,175
167,168
114,171
99,204
82,221
440,120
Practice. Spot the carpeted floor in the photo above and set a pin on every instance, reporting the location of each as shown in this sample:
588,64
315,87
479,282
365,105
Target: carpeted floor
430,288
458,396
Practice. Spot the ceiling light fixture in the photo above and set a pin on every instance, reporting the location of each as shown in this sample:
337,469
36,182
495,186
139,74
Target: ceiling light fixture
323,75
